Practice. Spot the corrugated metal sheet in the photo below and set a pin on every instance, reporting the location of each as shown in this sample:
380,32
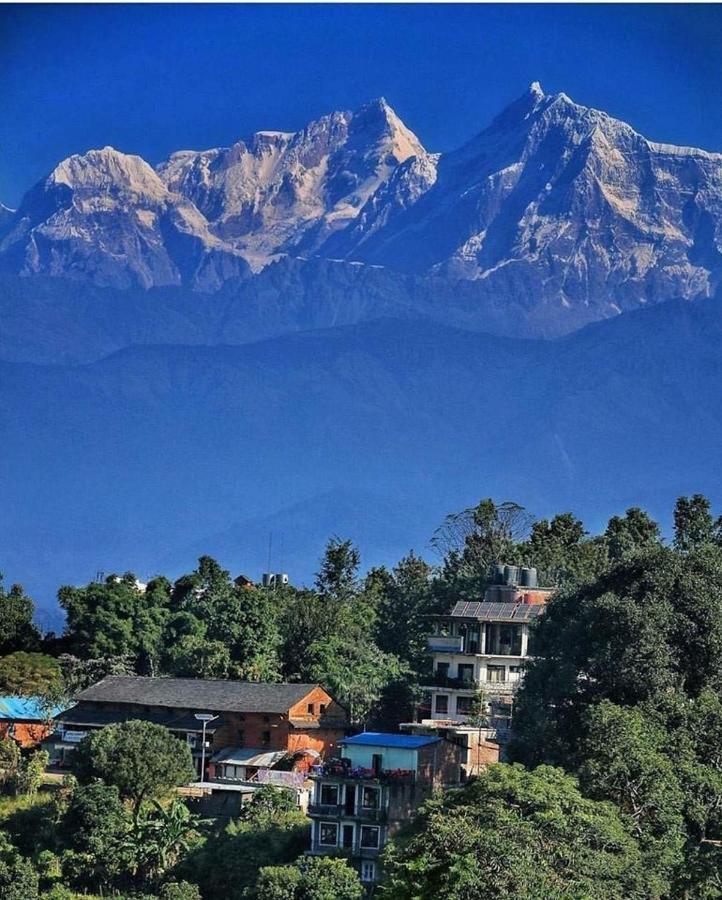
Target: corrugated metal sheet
379,739
249,756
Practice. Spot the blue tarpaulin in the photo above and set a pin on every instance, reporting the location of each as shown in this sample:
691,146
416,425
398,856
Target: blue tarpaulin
26,709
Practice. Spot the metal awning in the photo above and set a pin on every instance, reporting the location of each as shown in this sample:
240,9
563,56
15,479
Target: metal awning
249,756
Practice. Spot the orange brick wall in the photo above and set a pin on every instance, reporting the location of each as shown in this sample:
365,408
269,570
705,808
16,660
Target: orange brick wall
26,734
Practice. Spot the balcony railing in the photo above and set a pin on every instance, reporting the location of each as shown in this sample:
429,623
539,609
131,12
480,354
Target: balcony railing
445,681
445,644
339,811
358,773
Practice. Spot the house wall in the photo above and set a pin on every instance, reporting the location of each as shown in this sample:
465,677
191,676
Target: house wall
391,757
267,731
26,734
439,763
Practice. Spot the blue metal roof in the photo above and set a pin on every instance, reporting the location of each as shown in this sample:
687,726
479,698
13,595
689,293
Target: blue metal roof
379,739
26,709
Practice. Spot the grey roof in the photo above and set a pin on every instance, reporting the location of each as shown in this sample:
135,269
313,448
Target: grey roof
488,611
196,694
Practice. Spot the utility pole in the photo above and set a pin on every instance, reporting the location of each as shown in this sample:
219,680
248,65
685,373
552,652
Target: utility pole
205,718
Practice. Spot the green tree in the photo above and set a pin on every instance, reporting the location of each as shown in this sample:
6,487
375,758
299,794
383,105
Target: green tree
160,836
646,627
473,540
338,573
18,879
303,619
17,631
29,674
694,526
624,760
29,775
228,865
180,890
355,672
634,532
516,834
310,878
266,802
94,827
114,619
9,761
406,598
217,629
143,760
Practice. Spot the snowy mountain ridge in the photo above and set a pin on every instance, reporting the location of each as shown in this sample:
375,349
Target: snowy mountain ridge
556,208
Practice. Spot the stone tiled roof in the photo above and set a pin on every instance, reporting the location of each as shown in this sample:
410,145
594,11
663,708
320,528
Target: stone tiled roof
198,694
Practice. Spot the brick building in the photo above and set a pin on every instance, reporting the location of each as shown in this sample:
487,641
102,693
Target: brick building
255,732
27,720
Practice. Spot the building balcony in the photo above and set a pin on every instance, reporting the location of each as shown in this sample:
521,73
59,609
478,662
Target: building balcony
455,684
338,772
445,644
339,811
499,688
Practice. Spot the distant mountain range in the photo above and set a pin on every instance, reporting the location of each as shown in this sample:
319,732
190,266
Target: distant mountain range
157,453
337,332
554,216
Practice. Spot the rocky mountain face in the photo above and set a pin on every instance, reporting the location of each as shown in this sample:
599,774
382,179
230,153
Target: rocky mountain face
568,207
286,193
108,218
554,216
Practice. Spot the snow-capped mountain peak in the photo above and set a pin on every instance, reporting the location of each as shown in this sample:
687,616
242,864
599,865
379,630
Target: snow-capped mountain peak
554,208
278,191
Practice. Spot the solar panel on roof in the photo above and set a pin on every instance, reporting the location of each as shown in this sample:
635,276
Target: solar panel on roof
488,611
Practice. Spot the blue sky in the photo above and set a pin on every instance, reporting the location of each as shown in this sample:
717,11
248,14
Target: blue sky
152,79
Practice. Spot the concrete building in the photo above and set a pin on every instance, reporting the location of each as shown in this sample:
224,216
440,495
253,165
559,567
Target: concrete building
360,800
478,651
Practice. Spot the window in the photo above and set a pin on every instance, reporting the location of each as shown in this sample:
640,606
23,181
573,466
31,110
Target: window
503,640
241,737
368,871
329,795
464,706
322,708
514,673
442,669
370,798
328,834
370,837
496,673
466,672
441,704
266,737
311,709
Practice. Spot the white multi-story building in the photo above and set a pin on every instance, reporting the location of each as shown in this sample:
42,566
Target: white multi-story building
478,650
